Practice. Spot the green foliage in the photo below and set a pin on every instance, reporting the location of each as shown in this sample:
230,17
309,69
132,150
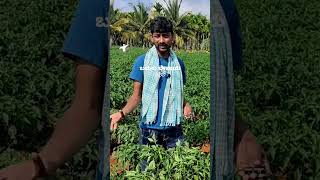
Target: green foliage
36,82
174,163
197,132
277,92
9,156
127,131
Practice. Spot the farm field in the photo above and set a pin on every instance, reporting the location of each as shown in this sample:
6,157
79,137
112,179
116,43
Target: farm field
188,160
277,91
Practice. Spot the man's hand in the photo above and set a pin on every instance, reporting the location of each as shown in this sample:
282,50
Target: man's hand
187,111
23,171
115,118
132,103
250,157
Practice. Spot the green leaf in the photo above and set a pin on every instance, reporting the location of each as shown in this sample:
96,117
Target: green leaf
5,118
152,165
12,131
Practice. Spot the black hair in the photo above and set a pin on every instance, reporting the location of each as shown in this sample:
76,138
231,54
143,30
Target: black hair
161,24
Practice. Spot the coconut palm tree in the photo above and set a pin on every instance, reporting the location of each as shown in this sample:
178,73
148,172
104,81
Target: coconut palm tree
133,27
200,25
117,23
182,29
138,24
156,10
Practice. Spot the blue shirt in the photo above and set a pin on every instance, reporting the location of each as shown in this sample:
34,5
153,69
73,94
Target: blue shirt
87,36
137,75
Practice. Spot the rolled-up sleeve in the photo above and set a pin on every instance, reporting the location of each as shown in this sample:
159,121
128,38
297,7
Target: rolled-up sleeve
87,36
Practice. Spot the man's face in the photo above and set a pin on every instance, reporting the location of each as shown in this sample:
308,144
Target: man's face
162,41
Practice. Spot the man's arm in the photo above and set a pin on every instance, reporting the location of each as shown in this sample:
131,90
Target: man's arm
80,120
73,130
135,98
131,105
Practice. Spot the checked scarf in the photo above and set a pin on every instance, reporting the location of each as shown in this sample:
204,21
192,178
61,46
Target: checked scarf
172,114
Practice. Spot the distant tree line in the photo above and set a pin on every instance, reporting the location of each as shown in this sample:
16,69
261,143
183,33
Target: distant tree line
191,30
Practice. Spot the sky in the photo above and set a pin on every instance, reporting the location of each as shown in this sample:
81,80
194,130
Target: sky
196,6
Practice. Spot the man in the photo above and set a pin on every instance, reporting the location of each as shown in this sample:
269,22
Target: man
86,44
159,76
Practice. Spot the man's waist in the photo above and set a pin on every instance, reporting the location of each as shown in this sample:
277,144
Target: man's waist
160,128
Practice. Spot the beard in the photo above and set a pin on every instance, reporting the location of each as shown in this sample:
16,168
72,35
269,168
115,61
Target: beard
163,47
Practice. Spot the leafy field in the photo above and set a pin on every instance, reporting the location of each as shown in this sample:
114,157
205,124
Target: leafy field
36,82
190,161
277,91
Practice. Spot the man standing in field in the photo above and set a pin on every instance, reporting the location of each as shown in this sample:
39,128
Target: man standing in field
159,76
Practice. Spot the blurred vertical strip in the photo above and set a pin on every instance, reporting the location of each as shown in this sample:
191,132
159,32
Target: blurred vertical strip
222,96
105,122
